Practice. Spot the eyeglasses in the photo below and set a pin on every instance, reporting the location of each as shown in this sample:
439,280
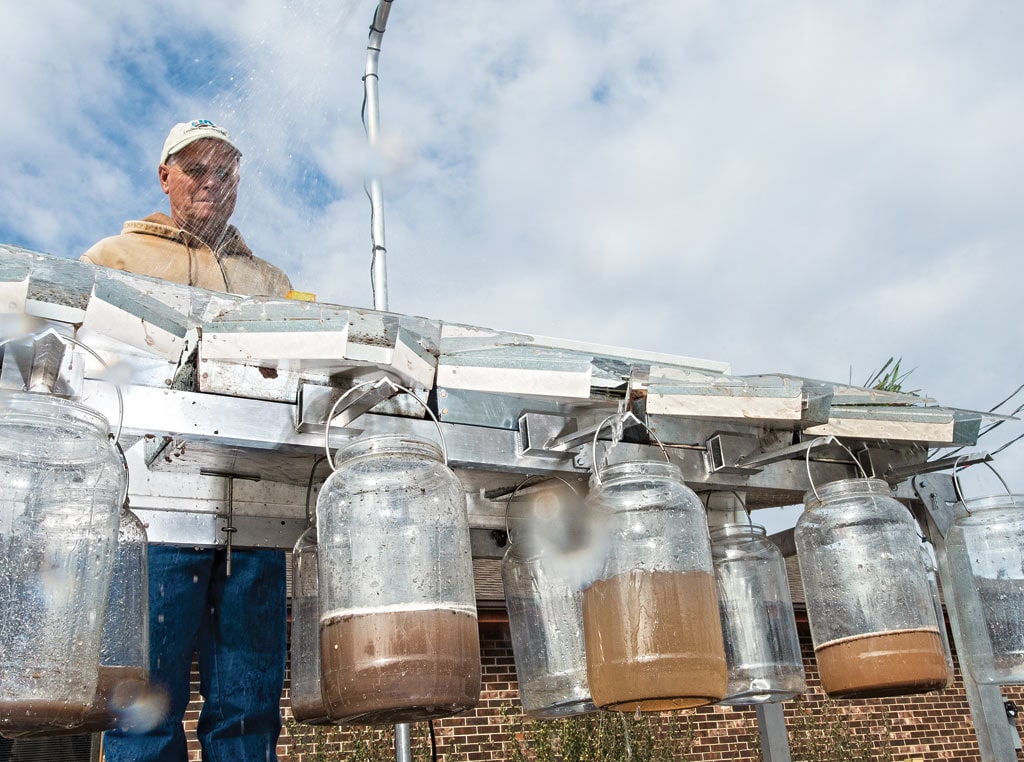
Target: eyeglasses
201,172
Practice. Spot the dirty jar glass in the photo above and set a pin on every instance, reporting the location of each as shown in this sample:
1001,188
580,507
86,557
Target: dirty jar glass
124,652
398,623
985,549
550,559
762,646
869,603
650,620
61,489
306,698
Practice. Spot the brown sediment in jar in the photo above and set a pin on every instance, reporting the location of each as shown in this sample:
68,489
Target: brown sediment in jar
879,664
654,641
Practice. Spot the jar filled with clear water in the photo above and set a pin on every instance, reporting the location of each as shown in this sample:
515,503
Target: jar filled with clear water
61,488
550,559
869,602
306,697
398,622
651,624
762,646
985,549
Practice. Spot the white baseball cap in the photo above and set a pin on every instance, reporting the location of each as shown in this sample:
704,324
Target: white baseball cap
185,133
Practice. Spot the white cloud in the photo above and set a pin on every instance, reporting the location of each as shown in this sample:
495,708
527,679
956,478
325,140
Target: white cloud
796,187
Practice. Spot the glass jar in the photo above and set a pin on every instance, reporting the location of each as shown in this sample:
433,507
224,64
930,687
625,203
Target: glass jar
124,653
985,549
398,623
124,650
61,488
650,621
869,604
548,563
762,646
928,554
306,697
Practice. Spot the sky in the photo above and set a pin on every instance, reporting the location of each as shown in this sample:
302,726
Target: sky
791,187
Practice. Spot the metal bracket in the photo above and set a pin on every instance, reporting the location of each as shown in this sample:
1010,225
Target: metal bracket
919,469
315,402
723,453
551,436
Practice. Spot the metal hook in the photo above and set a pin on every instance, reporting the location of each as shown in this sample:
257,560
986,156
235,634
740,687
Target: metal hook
309,487
956,481
620,419
821,441
398,388
536,479
79,344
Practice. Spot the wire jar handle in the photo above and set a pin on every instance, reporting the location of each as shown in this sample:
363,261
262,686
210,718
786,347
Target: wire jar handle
820,442
530,481
618,420
80,345
956,481
385,381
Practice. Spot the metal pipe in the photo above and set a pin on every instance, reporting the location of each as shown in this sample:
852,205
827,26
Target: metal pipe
378,267
403,744
371,121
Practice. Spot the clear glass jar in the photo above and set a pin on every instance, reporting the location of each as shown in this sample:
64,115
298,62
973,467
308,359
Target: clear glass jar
869,604
398,623
61,489
985,549
124,653
306,698
762,646
928,554
544,571
124,649
650,621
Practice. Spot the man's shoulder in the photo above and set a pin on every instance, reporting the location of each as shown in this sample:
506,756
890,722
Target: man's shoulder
146,238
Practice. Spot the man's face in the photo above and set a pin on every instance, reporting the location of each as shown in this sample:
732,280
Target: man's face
201,181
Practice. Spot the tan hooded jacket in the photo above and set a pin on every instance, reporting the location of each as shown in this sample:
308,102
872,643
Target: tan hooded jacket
155,247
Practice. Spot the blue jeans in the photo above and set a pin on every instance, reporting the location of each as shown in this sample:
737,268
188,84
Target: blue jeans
237,625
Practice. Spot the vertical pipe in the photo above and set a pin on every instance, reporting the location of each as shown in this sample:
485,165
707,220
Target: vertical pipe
403,745
378,268
771,723
371,121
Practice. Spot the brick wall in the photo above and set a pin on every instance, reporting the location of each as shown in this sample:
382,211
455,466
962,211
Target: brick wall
934,726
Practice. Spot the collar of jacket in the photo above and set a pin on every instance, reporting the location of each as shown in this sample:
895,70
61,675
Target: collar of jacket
161,225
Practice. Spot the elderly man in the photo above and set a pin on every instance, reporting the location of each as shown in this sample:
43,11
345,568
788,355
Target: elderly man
235,622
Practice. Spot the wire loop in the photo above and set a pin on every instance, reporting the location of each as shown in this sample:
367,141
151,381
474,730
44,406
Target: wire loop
618,420
396,387
821,441
956,481
80,345
536,479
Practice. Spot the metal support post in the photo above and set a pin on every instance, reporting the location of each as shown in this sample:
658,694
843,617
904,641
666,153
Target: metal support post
771,723
403,744
996,735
